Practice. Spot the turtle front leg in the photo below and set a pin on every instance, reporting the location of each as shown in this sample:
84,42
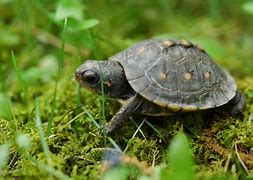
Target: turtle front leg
131,106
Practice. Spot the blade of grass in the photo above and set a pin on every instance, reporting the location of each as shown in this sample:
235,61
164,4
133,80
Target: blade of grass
136,125
73,119
85,111
63,44
156,130
40,130
93,45
60,68
137,130
115,145
78,95
51,116
20,77
78,90
240,160
79,115
91,117
102,98
73,109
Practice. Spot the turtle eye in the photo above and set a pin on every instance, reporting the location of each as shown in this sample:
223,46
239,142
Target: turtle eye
90,77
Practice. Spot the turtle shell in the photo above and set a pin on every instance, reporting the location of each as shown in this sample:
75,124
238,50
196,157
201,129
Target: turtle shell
176,74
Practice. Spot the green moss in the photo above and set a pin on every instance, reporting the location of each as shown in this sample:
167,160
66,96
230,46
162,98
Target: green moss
237,132
144,150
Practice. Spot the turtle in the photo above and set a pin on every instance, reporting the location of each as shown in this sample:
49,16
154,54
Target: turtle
161,77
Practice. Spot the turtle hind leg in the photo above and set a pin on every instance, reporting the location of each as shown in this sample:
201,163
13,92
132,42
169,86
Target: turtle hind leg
237,104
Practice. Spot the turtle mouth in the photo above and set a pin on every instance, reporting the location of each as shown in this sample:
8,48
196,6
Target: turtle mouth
78,76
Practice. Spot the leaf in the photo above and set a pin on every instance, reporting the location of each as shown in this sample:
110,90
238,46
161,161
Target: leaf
75,25
63,12
248,7
5,110
89,23
180,158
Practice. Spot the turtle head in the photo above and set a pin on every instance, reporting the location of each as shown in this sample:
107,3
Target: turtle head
92,73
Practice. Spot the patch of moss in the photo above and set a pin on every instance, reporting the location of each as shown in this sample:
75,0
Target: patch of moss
144,150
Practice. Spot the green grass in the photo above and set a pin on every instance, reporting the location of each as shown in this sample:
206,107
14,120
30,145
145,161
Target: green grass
40,131
102,98
49,126
59,73
20,77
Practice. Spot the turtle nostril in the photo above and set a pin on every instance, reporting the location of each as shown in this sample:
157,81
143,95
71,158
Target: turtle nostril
78,75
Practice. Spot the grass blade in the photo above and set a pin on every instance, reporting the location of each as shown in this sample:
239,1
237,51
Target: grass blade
60,68
156,130
115,145
51,116
93,45
137,126
91,117
63,44
20,77
102,98
78,89
137,130
40,130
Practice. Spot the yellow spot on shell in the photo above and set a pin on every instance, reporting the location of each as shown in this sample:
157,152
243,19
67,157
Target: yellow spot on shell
168,43
187,76
141,50
185,43
162,76
207,75
200,48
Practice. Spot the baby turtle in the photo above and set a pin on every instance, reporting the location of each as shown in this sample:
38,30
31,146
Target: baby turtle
160,78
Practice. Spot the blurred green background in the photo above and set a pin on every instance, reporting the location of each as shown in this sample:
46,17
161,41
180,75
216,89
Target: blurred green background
42,42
